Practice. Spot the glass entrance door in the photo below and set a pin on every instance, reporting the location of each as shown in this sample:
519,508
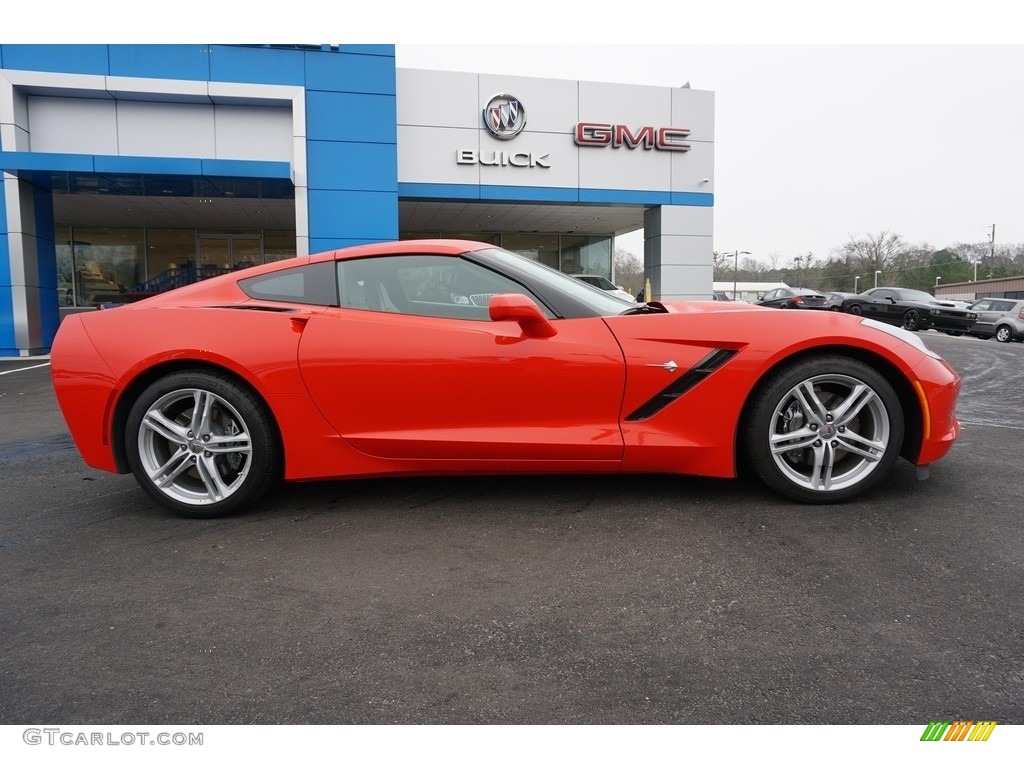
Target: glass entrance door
222,253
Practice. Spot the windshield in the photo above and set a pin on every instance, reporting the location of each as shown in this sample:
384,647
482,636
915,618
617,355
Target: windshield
912,295
602,302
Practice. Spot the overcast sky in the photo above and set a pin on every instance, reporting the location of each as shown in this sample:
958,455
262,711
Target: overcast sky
815,144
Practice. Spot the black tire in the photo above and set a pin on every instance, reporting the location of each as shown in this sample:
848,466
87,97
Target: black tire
1004,333
856,309
782,441
202,445
912,320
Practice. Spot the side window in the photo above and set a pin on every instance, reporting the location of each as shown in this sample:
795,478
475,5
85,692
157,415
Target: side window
1002,306
431,286
982,306
310,284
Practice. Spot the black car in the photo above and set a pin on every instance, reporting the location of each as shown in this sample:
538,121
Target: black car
912,309
792,298
834,300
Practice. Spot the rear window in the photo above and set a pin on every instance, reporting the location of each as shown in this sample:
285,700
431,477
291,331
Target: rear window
310,284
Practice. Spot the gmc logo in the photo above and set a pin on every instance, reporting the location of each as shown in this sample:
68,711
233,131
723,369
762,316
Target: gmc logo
608,135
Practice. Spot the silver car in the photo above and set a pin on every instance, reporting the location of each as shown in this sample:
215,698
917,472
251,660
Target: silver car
1002,318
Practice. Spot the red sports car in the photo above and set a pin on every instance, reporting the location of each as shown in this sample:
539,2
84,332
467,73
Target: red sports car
453,357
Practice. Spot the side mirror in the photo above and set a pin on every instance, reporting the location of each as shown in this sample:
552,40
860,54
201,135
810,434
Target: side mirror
520,309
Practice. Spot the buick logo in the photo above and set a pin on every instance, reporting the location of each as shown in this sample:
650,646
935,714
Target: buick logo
504,116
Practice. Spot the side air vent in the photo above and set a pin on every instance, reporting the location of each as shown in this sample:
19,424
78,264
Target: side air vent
683,384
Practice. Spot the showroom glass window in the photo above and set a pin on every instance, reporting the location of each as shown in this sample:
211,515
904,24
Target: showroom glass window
586,255
107,263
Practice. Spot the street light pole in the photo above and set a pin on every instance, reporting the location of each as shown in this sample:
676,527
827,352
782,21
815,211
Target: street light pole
736,269
938,279
856,279
877,273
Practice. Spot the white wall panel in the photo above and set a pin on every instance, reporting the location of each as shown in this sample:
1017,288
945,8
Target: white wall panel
165,130
625,168
83,126
689,169
427,155
679,220
438,99
694,110
689,281
634,105
253,133
560,154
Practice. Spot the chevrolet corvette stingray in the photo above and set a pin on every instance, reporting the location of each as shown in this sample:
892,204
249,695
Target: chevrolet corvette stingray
448,357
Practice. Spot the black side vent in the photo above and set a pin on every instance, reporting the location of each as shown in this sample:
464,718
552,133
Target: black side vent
683,384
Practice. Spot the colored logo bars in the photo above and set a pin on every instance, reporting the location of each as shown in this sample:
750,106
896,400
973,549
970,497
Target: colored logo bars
959,730
504,116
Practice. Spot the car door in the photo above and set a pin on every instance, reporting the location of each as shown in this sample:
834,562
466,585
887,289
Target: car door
404,373
883,306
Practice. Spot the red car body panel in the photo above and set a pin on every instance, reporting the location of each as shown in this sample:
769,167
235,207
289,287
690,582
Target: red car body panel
358,393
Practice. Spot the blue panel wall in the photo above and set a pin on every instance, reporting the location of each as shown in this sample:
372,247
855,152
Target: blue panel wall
351,117
359,215
70,59
350,72
350,165
257,64
46,266
182,62
352,147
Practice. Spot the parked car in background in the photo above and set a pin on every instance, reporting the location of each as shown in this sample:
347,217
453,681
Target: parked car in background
792,298
912,309
834,300
999,318
606,285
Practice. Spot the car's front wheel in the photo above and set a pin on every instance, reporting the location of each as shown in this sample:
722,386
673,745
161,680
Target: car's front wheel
1004,334
201,444
824,430
912,320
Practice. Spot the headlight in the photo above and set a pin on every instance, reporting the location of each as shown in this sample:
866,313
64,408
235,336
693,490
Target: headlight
903,335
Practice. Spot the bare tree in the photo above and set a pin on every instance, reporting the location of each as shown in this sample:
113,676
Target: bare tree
629,271
872,253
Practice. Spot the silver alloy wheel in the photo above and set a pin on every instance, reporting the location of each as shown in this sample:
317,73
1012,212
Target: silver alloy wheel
194,446
1004,334
829,432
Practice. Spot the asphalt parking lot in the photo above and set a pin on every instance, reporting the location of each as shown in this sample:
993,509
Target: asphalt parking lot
644,600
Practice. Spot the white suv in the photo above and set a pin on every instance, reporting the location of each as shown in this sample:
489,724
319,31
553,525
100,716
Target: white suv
1002,318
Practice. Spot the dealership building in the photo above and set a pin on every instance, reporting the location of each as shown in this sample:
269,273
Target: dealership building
133,169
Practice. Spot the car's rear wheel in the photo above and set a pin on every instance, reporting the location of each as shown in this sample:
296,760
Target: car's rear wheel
201,444
856,309
824,430
912,320
1004,334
